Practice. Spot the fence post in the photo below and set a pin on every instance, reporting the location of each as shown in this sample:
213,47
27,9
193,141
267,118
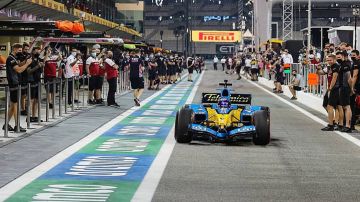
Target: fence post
7,102
39,102
83,92
28,103
72,93
60,96
47,102
66,94
18,109
53,98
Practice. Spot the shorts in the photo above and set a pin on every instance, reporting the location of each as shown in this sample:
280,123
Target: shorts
297,88
326,100
246,69
137,83
254,71
152,74
344,95
191,70
23,89
95,83
51,85
34,91
13,94
162,71
334,99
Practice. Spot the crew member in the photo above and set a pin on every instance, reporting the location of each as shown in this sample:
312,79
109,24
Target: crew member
111,76
136,76
355,86
50,72
190,63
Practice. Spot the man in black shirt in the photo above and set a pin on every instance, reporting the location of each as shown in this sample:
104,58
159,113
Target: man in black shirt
355,85
34,77
345,84
24,77
332,91
136,76
13,69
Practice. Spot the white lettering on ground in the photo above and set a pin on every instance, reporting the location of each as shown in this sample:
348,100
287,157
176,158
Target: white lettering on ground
171,98
103,166
157,113
124,145
166,107
74,192
174,95
167,102
149,120
136,130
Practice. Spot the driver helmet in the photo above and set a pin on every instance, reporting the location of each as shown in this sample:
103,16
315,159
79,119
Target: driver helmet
224,103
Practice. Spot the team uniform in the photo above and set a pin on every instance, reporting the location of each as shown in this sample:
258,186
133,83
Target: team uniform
94,71
12,77
111,76
136,73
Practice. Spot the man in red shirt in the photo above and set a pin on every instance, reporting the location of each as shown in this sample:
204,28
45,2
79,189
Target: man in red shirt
93,71
111,76
50,71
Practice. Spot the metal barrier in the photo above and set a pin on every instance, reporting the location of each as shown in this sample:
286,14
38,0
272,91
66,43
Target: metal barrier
304,71
59,87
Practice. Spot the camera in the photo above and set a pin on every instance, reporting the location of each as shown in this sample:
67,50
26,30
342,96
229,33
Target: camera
23,56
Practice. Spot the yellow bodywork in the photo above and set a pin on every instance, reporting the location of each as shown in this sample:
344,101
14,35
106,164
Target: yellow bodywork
230,119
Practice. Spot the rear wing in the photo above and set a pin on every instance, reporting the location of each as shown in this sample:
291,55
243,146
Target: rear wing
241,99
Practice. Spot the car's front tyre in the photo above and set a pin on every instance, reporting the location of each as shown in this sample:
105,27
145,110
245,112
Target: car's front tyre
262,125
182,122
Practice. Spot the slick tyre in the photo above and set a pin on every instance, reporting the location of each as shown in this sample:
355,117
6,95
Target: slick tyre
262,125
183,119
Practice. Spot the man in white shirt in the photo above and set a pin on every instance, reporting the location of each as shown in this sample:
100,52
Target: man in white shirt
287,57
216,60
71,61
223,61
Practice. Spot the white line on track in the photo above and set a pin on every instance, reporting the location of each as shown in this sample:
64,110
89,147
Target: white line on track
20,182
147,188
308,114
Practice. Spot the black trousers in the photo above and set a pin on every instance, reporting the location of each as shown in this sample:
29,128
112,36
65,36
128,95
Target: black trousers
215,66
354,111
112,91
223,66
70,91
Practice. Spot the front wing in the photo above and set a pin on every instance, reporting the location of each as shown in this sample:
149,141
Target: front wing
203,132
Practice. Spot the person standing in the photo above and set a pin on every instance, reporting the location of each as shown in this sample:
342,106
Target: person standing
50,72
152,72
92,69
223,61
13,70
345,83
111,76
355,86
34,77
136,76
294,84
190,63
216,60
72,60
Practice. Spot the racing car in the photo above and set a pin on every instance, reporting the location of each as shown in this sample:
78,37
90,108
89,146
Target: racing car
223,117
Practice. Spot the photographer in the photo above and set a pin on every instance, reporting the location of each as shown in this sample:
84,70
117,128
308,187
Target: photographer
13,71
24,77
71,61
34,77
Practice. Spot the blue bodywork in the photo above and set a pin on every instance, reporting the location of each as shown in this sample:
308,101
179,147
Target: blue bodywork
202,130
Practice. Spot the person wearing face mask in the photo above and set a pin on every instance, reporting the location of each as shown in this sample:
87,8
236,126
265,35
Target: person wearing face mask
34,77
92,69
72,60
136,76
355,86
111,76
345,85
294,84
50,71
13,71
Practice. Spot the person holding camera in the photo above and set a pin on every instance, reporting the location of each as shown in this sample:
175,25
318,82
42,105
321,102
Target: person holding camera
71,61
24,77
34,77
13,70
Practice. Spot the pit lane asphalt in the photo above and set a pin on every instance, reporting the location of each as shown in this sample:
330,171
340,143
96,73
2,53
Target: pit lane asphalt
301,163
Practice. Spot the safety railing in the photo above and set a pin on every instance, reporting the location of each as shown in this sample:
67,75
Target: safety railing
310,80
68,95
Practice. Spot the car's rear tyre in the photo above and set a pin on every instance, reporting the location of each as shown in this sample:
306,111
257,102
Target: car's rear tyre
262,125
182,122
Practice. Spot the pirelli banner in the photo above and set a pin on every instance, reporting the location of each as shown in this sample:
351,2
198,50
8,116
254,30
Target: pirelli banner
216,36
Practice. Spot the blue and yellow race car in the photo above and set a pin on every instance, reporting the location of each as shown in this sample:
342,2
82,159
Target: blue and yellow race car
223,117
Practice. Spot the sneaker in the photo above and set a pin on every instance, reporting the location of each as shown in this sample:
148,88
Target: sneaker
137,102
77,101
116,105
328,128
338,127
293,98
22,130
91,102
23,113
346,130
9,128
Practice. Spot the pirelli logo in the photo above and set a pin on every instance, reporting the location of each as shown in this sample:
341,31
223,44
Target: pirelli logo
216,36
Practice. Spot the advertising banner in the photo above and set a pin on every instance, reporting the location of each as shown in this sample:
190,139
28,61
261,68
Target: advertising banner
216,36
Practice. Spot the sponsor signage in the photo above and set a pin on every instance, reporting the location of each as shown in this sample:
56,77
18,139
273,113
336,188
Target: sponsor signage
234,99
216,36
225,49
